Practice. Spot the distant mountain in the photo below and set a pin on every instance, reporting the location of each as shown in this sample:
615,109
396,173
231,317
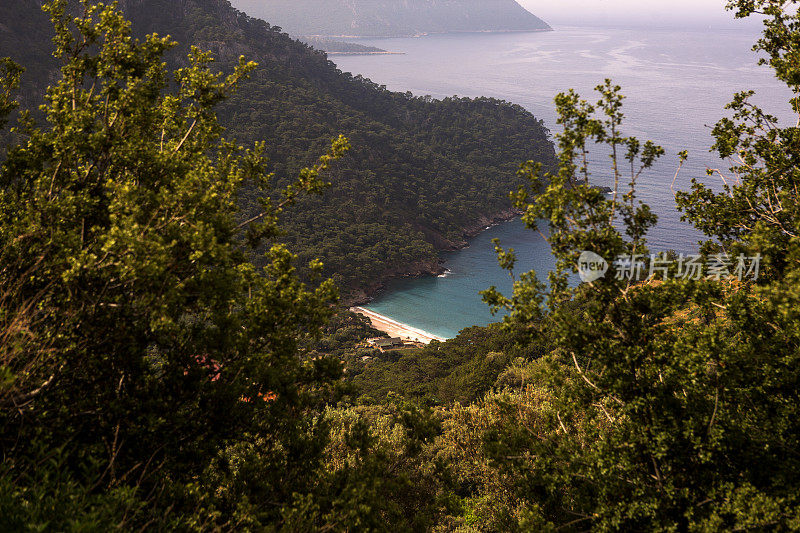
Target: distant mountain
392,18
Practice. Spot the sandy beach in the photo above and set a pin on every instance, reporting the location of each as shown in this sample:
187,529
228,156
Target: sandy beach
394,328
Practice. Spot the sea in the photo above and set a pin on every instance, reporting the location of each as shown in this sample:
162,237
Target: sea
676,84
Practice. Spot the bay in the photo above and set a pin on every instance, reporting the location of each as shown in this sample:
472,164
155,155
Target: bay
676,85
446,304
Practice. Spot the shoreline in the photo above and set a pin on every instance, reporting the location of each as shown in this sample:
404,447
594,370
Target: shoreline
396,329
429,267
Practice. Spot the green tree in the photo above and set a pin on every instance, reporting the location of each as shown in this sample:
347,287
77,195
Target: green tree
160,377
674,400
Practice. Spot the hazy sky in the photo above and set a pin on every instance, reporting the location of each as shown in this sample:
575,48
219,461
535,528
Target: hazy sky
694,13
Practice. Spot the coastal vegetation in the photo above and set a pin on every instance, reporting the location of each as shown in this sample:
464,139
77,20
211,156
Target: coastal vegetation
332,46
153,377
422,174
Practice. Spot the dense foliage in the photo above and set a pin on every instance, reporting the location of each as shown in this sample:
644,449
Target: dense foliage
422,172
460,370
152,377
144,359
662,402
676,398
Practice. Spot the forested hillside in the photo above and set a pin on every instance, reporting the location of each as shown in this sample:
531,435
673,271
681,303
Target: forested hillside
393,18
422,172
152,378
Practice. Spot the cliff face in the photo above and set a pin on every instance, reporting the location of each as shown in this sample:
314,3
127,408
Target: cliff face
370,18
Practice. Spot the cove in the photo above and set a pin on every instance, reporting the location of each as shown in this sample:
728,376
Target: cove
445,305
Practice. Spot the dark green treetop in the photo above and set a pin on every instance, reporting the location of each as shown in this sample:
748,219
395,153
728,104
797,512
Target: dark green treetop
167,363
674,399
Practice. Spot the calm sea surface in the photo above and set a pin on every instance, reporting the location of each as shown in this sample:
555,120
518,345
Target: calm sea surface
676,83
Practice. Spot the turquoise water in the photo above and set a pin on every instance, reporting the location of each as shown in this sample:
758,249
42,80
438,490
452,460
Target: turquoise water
676,82
445,305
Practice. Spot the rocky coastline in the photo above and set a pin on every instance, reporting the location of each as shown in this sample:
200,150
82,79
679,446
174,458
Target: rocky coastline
428,266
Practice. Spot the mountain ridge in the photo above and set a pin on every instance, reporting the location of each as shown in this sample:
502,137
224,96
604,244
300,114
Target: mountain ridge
392,18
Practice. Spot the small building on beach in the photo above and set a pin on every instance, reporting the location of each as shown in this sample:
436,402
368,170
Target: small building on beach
384,343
